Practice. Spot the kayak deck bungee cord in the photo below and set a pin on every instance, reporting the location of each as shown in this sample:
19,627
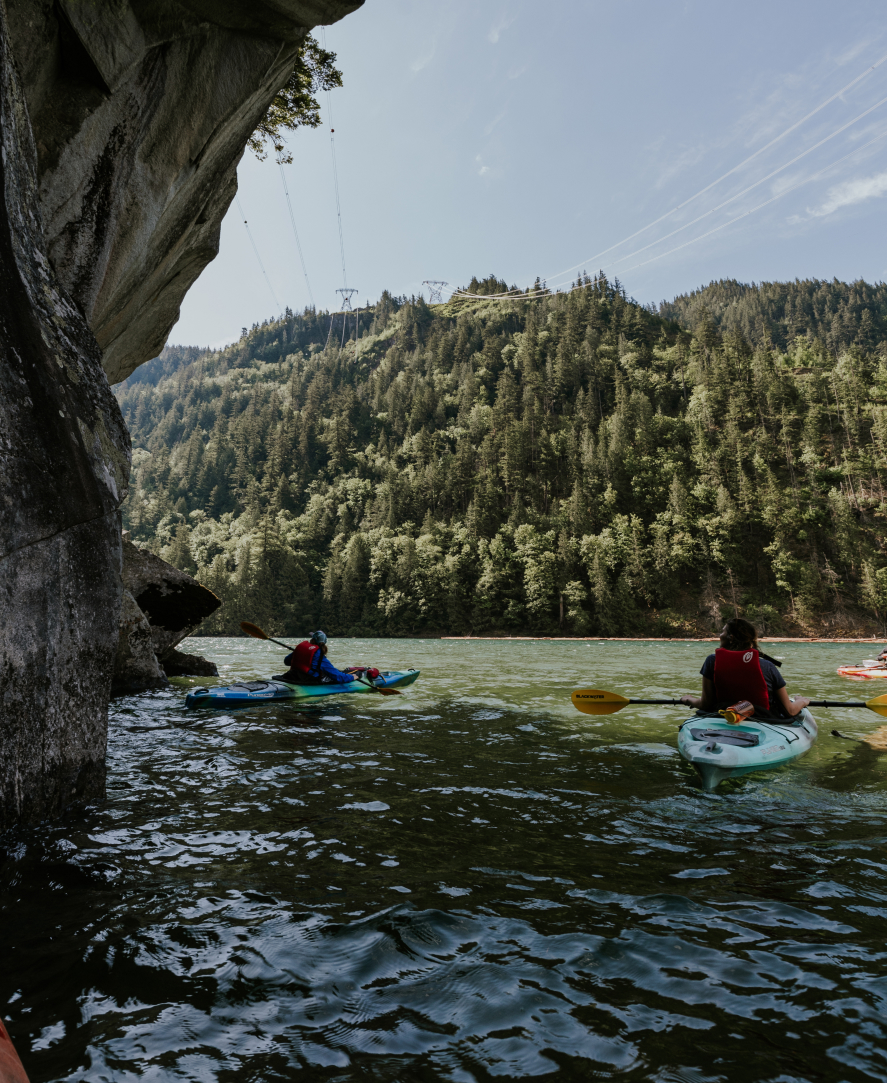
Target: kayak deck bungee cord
719,749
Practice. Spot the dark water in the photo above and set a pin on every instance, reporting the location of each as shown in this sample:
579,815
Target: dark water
470,881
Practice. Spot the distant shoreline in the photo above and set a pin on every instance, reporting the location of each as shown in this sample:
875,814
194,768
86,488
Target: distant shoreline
673,639
603,639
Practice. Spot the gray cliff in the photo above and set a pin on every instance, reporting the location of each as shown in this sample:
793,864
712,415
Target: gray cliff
122,123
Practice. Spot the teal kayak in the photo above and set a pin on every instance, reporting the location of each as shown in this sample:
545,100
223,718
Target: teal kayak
244,693
719,749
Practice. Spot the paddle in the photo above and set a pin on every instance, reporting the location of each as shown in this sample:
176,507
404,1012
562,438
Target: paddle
256,632
596,701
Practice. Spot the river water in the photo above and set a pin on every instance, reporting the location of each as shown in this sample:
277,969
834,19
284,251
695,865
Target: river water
466,882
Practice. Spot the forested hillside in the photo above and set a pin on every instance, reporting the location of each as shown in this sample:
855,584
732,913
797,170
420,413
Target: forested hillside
575,464
838,314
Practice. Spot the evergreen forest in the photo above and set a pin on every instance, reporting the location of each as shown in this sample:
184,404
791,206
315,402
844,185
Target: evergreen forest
570,464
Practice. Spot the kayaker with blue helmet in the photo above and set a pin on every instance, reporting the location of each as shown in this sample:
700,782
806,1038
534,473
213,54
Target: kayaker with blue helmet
309,665
738,670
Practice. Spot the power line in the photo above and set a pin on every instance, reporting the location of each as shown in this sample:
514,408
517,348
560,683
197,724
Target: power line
766,203
745,191
249,233
693,240
592,259
295,231
435,289
730,172
347,294
329,106
720,206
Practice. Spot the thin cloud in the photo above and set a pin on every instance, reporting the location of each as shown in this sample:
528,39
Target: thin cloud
423,61
850,192
679,164
494,122
850,54
503,23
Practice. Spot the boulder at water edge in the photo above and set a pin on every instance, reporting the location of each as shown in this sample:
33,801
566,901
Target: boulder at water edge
162,606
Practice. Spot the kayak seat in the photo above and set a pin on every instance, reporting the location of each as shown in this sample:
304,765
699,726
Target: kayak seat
727,737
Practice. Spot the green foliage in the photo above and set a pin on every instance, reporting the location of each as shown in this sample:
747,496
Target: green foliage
835,315
295,105
574,463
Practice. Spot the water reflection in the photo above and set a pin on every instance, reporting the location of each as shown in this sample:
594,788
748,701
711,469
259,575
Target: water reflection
466,882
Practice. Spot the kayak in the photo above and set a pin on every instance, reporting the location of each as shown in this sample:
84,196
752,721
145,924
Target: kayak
719,750
865,671
244,693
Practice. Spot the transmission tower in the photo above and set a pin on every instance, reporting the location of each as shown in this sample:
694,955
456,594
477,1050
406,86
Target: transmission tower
346,298
435,288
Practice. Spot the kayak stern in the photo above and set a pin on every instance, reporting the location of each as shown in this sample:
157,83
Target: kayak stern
719,750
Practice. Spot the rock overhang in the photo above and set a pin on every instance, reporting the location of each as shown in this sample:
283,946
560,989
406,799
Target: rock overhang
141,110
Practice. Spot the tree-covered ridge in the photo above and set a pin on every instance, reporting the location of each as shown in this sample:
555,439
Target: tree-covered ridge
575,463
839,314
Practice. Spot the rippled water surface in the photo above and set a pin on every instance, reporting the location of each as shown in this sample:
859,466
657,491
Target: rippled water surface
469,881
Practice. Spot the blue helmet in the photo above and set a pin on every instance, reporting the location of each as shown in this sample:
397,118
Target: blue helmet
318,638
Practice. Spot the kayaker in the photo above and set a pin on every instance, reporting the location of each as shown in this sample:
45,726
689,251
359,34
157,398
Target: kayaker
738,671
309,664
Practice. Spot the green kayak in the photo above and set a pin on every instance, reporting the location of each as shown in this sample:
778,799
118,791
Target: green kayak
244,693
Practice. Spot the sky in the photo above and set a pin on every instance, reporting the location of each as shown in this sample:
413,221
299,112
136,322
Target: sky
535,139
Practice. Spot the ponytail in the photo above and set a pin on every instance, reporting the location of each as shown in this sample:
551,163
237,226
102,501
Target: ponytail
739,635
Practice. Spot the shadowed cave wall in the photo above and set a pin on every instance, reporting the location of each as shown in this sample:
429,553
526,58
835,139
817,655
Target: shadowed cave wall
122,124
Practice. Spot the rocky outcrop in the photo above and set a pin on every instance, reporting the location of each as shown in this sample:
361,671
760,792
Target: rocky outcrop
122,126
184,664
136,668
141,110
161,607
64,464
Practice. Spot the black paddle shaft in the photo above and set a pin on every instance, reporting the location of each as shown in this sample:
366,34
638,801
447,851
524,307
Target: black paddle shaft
813,703
670,702
832,703
286,646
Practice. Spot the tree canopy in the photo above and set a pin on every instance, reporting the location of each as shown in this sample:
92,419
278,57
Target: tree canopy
295,104
575,463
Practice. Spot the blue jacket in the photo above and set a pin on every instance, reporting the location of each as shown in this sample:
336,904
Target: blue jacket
323,670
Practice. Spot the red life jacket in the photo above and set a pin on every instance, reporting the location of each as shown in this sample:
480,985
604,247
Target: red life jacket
302,657
738,676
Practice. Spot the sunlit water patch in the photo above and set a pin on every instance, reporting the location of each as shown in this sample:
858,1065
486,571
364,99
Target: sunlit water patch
469,881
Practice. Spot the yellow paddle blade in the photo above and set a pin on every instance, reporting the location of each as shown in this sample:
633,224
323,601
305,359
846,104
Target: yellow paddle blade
252,630
594,701
878,705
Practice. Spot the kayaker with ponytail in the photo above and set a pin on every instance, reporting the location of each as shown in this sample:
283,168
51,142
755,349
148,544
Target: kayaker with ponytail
309,664
738,670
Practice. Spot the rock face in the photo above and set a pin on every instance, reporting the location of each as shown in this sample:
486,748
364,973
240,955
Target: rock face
122,122
141,110
64,465
161,607
136,668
